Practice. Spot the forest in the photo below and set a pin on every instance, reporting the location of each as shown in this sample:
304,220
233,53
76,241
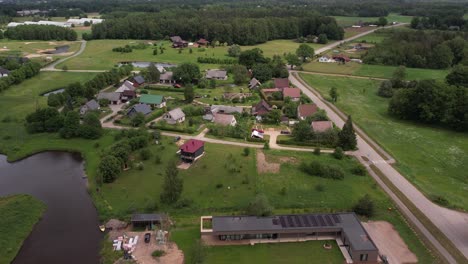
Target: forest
421,49
228,25
40,32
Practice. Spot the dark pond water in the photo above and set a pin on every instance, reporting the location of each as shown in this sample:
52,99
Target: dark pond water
61,90
68,231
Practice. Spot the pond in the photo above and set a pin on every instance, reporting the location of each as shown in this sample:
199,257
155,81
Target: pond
68,231
61,90
145,64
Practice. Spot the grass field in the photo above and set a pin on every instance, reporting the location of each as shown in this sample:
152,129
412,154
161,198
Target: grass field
392,17
432,158
19,214
99,55
24,48
373,71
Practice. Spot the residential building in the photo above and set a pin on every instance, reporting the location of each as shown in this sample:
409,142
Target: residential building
203,42
4,72
216,74
112,97
326,59
174,116
138,81
224,120
81,21
321,126
293,93
341,58
306,110
148,220
128,95
89,106
221,109
345,228
127,85
254,84
139,108
261,109
157,101
281,83
191,150
166,77
178,42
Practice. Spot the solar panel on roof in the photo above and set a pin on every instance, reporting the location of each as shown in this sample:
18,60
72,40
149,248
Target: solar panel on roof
297,221
283,222
329,221
305,220
290,221
313,220
321,221
336,218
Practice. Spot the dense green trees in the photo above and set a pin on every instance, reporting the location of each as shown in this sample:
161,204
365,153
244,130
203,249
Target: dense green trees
240,74
19,74
262,71
172,186
260,206
44,120
458,76
365,206
305,51
234,50
109,168
347,137
189,93
40,32
152,73
186,73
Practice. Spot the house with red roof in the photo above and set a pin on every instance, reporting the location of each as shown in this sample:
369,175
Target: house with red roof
293,93
306,110
203,42
281,83
321,126
191,150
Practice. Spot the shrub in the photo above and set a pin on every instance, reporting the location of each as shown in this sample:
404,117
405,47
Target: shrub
246,151
338,153
183,203
145,154
219,186
266,146
283,191
332,172
319,188
317,151
158,253
359,169
365,206
440,200
260,206
157,159
140,166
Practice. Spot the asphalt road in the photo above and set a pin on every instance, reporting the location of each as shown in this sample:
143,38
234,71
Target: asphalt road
51,67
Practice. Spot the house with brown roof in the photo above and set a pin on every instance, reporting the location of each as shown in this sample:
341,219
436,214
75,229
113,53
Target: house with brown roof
203,42
224,120
293,93
281,83
306,110
321,126
261,109
128,95
178,42
166,77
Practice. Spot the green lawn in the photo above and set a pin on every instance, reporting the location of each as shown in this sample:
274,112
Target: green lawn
375,71
392,17
31,47
19,214
432,158
279,47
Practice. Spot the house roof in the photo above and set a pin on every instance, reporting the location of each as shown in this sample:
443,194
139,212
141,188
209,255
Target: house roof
92,105
202,41
192,145
321,126
176,39
261,108
4,71
147,217
166,76
281,83
151,99
129,93
347,222
139,79
216,74
141,108
291,92
176,113
127,85
271,90
225,109
254,82
306,110
109,96
223,119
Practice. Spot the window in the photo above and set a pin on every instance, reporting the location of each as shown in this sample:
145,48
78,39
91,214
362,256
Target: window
363,257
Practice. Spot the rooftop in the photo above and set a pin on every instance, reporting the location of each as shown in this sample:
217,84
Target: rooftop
192,146
321,126
306,110
223,119
151,99
147,217
139,79
216,74
292,92
281,83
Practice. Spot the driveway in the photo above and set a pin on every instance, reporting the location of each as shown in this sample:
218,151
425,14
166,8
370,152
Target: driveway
51,67
452,223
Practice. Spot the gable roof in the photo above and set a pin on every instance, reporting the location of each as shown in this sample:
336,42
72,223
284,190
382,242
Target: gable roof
141,108
306,110
147,217
261,108
176,39
216,74
202,41
166,76
127,85
92,105
139,79
4,71
151,99
192,145
321,126
109,96
176,113
129,93
291,92
223,119
226,109
281,83
254,82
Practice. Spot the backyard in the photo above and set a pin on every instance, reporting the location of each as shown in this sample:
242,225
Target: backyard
430,157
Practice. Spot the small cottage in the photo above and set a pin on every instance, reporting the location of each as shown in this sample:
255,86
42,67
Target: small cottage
254,84
191,150
138,81
167,77
113,98
224,120
174,116
293,93
157,101
216,74
127,85
306,110
139,108
89,106
321,126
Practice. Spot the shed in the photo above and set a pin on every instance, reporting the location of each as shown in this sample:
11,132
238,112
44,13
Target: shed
143,220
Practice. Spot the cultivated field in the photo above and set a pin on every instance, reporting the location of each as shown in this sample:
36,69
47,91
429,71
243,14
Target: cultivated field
431,158
392,17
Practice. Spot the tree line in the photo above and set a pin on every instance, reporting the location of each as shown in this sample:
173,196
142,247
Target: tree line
40,32
420,49
25,71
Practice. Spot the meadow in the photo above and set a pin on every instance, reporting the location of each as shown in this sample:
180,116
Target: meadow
23,209
432,158
24,48
350,20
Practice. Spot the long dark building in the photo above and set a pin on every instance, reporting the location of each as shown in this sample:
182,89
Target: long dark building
285,228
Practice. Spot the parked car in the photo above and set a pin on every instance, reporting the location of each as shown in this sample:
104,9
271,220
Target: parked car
176,139
147,237
176,85
285,132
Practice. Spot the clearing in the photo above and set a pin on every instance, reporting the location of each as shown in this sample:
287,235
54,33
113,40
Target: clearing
432,158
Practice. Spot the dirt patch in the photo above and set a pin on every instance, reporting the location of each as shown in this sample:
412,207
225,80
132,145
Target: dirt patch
263,166
288,160
359,30
184,166
389,242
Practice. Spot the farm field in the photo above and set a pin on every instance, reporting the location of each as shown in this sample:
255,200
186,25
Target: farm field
373,71
31,48
431,158
23,209
392,17
280,47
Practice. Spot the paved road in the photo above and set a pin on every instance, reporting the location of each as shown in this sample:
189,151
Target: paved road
452,223
335,44
51,67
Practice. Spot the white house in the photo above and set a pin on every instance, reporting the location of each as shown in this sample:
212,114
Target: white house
326,59
224,120
174,116
81,21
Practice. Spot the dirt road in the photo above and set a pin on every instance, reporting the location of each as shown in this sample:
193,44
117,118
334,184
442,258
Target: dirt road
452,223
